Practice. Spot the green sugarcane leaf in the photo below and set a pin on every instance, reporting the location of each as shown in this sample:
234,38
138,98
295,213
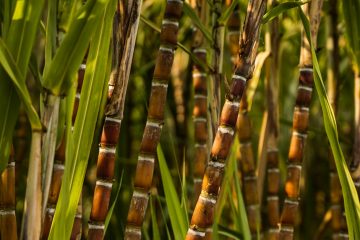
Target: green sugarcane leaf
189,11
68,57
91,97
19,39
279,9
227,13
155,226
8,63
178,217
351,200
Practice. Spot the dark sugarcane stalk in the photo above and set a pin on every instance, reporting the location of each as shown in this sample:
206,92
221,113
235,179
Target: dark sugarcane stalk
247,166
155,119
338,221
203,215
272,151
300,125
58,172
8,227
217,62
125,31
200,119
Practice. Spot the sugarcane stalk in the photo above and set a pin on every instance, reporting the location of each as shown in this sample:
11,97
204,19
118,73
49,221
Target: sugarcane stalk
199,78
338,221
300,125
155,119
203,215
272,151
217,63
125,32
8,227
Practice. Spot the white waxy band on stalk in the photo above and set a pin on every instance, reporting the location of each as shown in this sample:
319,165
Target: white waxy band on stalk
157,84
111,87
287,229
232,103
200,119
166,49
216,164
272,198
199,74
58,166
50,210
198,145
104,184
7,212
294,202
238,77
110,119
199,50
195,233
103,149
357,184
250,178
11,164
169,22
306,69
302,135
295,166
78,215
96,226
273,170
153,124
226,130
209,230
200,96
83,66
302,109
146,159
77,96
140,194
273,230
253,206
269,150
133,230
233,32
197,180
309,89
207,199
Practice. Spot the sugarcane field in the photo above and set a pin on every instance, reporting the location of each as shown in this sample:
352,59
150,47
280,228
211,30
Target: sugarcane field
179,119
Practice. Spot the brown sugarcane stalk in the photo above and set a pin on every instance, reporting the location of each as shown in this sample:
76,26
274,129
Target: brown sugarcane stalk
8,228
338,221
203,215
200,119
58,171
272,152
300,125
155,119
245,156
125,31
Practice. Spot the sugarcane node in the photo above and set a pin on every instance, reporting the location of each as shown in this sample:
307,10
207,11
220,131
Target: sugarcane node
200,105
286,235
201,55
95,234
137,210
292,185
300,120
243,127
157,98
163,64
252,215
55,186
100,203
250,190
229,114
77,229
237,87
205,213
144,172
303,98
201,133
273,178
336,212
169,33
201,157
273,211
296,151
151,139
306,77
110,133
272,158
289,213
199,83
105,165
222,143
173,9
212,180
